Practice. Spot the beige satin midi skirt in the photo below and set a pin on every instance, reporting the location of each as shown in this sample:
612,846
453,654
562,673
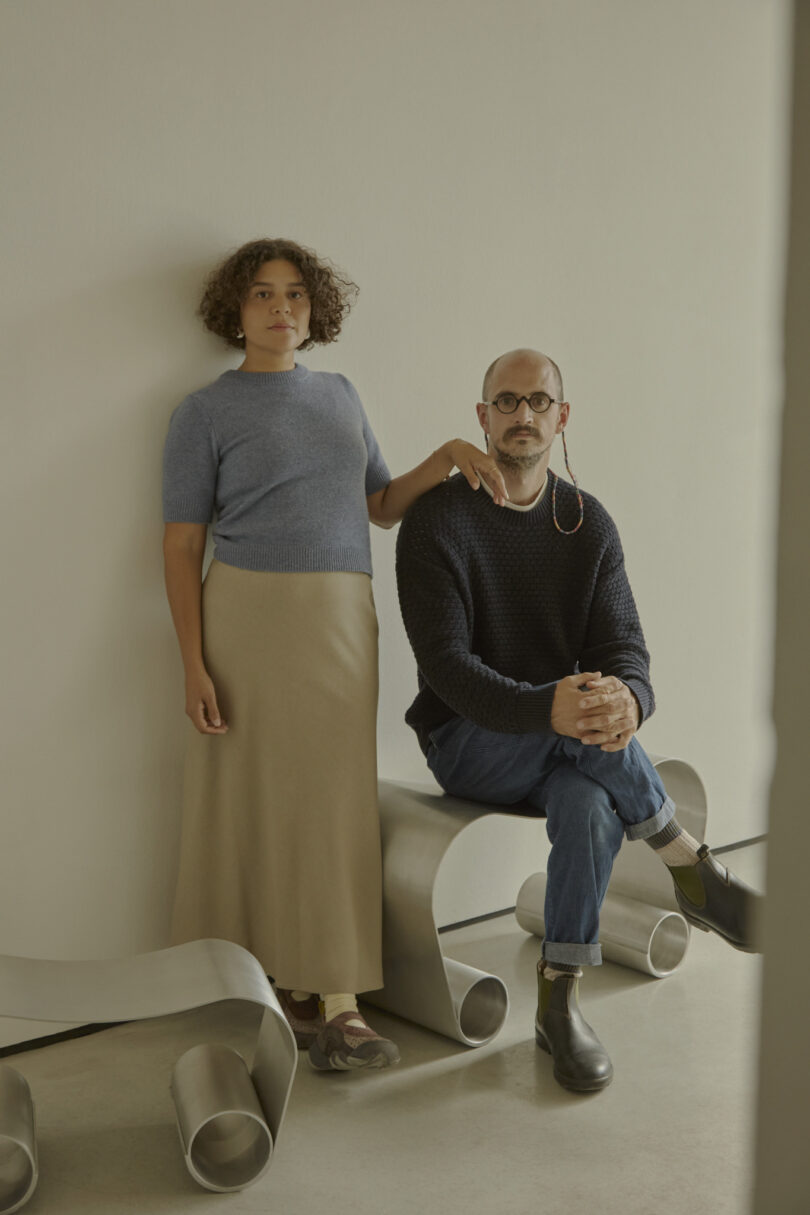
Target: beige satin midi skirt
280,846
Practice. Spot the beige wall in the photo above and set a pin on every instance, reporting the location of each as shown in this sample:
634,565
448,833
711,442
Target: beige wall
603,180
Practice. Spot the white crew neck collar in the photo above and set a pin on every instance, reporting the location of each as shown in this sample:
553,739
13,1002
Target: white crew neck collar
526,505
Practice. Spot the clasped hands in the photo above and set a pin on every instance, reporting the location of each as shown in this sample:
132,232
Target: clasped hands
598,710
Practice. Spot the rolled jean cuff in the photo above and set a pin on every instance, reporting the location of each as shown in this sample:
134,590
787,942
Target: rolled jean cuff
651,826
572,953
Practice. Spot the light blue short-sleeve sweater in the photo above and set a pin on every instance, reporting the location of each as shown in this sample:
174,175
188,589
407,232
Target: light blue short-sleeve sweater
285,461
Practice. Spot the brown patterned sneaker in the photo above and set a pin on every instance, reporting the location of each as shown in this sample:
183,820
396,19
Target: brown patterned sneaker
303,1016
343,1047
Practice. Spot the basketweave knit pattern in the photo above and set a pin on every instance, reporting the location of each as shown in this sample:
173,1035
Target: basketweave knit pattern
498,606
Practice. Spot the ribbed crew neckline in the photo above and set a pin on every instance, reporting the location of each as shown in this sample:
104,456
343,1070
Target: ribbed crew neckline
264,378
503,517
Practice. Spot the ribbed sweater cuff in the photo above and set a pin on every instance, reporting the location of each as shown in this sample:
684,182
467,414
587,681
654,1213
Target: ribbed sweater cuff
186,510
534,709
642,693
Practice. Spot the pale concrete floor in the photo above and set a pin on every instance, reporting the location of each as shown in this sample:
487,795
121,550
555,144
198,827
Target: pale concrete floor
450,1129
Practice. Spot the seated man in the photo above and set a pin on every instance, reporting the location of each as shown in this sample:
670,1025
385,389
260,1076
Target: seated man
533,680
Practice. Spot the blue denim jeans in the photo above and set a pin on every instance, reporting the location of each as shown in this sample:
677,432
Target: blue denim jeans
590,799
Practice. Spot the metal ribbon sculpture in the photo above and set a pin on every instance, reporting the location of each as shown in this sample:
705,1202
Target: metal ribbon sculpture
228,1116
640,925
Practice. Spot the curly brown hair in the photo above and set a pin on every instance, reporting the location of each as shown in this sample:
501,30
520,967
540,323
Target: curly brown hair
331,293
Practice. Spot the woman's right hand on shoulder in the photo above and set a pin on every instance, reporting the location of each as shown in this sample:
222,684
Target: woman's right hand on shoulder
201,704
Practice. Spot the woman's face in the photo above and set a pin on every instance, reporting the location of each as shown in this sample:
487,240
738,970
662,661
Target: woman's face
275,314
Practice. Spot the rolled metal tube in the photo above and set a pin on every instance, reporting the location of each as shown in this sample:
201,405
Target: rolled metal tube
468,1005
444,995
18,1146
228,1118
635,934
480,1002
226,1141
640,923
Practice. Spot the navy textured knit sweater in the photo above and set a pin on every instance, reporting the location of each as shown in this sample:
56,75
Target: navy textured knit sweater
498,606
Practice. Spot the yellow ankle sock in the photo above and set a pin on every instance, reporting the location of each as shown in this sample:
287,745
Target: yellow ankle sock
339,1002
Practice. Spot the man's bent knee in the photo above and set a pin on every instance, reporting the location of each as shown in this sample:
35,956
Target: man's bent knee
585,813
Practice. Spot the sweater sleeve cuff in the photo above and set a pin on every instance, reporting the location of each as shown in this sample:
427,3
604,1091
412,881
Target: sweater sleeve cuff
643,695
187,510
534,709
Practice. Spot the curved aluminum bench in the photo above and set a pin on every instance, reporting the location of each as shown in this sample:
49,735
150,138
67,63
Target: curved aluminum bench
228,1117
640,925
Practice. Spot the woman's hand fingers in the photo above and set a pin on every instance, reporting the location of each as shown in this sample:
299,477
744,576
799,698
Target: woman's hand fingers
494,479
205,725
477,470
475,464
202,708
213,715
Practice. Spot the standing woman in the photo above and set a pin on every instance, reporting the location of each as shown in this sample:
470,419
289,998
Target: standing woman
280,847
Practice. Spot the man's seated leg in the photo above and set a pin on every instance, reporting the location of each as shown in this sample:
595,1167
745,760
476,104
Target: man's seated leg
487,765
710,896
585,835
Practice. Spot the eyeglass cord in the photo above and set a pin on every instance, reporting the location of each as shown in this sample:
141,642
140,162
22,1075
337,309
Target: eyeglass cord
562,530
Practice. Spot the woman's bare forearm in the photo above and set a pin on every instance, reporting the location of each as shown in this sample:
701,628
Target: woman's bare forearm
183,573
387,506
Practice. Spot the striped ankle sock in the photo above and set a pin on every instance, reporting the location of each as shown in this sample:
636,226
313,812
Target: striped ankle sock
674,846
556,970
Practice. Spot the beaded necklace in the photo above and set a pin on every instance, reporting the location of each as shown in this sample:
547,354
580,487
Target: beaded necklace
562,530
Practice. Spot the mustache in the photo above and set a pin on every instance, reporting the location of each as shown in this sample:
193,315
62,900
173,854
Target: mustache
514,430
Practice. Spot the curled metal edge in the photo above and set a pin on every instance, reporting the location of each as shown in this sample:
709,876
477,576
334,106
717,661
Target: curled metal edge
18,1144
173,980
418,826
420,984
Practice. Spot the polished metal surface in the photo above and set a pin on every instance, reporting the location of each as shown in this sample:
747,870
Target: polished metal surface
18,1147
228,1116
418,827
631,932
226,1141
641,925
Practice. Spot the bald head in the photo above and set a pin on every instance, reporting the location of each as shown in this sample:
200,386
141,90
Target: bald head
497,373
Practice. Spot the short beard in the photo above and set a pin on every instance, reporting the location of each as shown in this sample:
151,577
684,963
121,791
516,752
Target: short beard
513,463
